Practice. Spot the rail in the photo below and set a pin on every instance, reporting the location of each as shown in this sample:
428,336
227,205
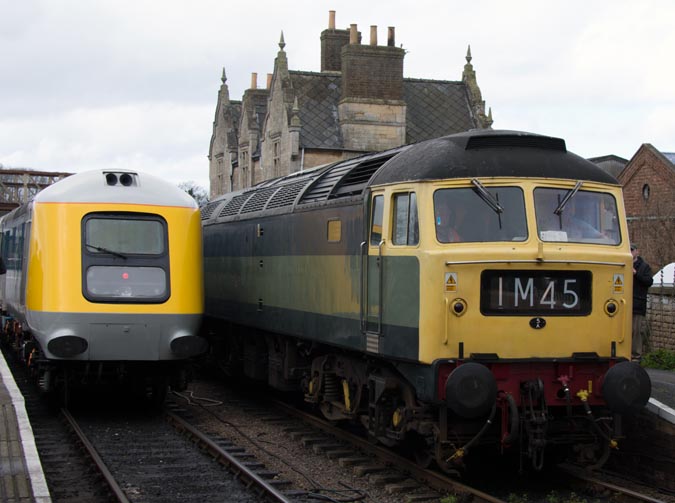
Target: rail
91,450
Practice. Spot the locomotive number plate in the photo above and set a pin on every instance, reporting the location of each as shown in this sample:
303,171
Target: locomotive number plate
527,293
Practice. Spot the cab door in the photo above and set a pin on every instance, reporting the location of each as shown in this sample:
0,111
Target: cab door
372,273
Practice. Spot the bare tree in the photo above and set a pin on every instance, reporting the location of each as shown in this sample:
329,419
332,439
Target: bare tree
197,192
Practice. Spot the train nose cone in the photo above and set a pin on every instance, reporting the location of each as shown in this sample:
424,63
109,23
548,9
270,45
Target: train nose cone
626,387
471,390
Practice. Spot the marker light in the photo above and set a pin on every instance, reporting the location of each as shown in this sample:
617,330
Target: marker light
611,307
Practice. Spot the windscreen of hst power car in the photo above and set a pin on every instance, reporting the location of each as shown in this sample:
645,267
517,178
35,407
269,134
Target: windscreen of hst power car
125,258
480,214
578,216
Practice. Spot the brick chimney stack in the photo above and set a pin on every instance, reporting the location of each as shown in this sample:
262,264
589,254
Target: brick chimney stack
372,110
371,71
332,41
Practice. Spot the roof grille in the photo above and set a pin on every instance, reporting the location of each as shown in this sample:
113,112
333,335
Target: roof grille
232,208
208,210
521,141
346,178
258,200
321,189
286,195
356,180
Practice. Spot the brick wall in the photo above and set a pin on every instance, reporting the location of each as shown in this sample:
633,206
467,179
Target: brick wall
332,42
649,196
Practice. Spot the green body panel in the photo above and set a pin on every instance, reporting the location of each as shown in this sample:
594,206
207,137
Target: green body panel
282,274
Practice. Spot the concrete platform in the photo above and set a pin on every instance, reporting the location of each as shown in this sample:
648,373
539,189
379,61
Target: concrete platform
21,477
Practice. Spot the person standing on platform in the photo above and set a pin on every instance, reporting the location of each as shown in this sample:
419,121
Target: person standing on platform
642,280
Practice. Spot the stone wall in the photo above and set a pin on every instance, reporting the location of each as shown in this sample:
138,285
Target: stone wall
661,318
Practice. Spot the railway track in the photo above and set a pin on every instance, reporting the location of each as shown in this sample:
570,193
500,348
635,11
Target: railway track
598,483
103,451
68,473
317,454
313,446
140,456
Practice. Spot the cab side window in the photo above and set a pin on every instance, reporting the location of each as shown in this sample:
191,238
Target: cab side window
406,225
376,220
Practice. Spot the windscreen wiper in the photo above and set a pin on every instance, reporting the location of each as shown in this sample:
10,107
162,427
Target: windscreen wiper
566,199
106,250
487,197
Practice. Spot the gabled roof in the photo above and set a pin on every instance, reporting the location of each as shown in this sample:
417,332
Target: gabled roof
254,105
666,160
434,108
612,164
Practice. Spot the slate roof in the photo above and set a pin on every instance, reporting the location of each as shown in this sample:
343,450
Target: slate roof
612,164
670,156
434,108
318,97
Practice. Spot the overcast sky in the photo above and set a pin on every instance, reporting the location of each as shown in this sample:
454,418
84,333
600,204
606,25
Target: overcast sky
90,84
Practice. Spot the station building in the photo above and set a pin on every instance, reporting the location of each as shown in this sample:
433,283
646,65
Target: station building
359,102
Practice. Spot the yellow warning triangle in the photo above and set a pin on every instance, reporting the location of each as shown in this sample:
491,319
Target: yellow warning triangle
451,280
618,282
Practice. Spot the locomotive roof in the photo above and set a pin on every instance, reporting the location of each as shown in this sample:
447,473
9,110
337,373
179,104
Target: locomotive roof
479,153
97,187
489,153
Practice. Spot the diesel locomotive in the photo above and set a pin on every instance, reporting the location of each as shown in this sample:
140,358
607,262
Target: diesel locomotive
468,291
104,282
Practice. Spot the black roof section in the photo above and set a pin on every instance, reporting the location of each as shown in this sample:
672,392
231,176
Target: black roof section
489,153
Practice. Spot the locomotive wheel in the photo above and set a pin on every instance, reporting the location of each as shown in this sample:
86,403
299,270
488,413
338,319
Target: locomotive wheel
416,447
592,456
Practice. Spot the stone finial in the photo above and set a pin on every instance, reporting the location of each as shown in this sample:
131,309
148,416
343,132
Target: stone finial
223,77
282,44
295,115
475,98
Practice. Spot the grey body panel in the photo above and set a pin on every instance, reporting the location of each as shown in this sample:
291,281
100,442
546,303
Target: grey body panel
115,337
